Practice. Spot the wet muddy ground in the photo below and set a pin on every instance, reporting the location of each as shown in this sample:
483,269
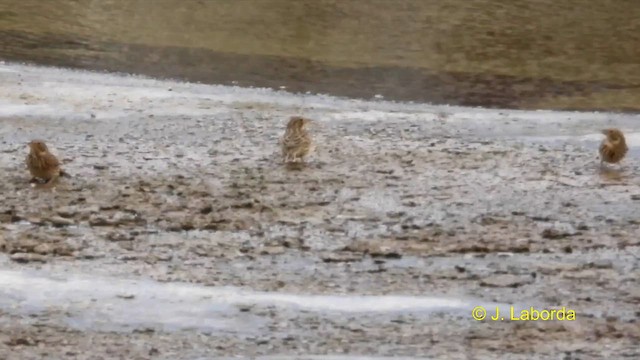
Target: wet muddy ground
178,183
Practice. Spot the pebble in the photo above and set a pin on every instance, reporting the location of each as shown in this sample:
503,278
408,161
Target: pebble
506,280
28,257
60,221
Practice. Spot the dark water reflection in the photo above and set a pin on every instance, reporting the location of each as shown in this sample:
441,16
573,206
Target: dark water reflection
574,54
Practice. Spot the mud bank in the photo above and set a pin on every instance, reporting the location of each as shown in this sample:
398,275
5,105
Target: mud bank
177,198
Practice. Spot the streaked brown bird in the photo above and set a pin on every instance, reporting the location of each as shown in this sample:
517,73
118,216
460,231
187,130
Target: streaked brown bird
296,142
42,164
614,147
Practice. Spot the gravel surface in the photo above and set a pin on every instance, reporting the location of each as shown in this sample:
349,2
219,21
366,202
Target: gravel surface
175,184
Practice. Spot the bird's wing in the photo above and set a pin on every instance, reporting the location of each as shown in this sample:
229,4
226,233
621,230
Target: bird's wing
291,140
49,160
609,151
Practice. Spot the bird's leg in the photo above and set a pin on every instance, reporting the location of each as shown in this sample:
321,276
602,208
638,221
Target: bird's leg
51,182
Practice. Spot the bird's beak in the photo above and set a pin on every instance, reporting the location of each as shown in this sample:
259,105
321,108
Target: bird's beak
604,132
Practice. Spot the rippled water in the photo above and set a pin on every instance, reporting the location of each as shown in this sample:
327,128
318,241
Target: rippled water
523,54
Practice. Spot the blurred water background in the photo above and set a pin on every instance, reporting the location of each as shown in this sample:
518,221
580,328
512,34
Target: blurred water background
528,54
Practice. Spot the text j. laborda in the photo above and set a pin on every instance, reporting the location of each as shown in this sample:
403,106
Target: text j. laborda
529,314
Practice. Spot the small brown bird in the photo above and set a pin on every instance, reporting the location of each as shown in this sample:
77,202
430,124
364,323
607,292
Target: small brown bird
614,147
42,164
296,142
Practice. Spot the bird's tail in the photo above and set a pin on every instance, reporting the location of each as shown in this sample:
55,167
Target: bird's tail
64,174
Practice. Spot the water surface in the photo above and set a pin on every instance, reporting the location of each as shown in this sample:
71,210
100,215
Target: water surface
522,53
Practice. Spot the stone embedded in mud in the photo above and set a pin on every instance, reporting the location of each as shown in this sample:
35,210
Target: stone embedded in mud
385,252
245,307
201,250
187,226
152,258
144,330
117,236
35,220
490,220
587,274
551,233
23,245
88,255
43,249
58,221
559,231
272,250
518,248
206,209
358,247
582,227
633,296
127,245
99,221
118,218
341,257
506,280
126,296
473,248
26,257
294,243
600,264
396,214
410,203
63,249
67,211
21,341
131,257
9,216
373,250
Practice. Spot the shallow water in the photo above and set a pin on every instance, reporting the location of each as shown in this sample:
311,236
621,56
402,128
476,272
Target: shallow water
115,304
567,55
